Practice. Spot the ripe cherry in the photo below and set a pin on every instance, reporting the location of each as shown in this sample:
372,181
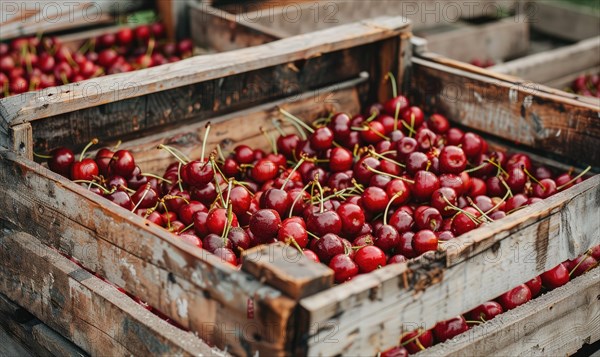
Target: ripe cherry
321,223
226,255
448,329
374,199
122,163
340,160
87,169
352,218
485,312
321,139
344,268
555,277
264,224
369,258
60,161
409,340
263,171
425,184
217,221
452,160
292,230
535,286
514,297
198,173
424,241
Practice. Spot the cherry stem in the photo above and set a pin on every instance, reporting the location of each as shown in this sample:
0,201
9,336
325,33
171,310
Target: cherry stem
179,177
358,186
475,322
587,254
229,221
293,242
142,198
204,141
396,113
421,332
157,177
499,203
313,235
170,151
469,215
508,190
42,156
387,174
167,214
219,191
277,126
216,168
532,177
95,184
498,166
287,179
297,198
575,178
358,128
476,168
174,197
394,85
411,128
418,343
387,208
297,120
117,145
269,139
371,118
374,153
479,209
322,201
378,134
93,142
392,152
186,228
227,201
220,152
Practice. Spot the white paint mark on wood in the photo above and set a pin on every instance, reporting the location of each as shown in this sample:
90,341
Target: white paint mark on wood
513,95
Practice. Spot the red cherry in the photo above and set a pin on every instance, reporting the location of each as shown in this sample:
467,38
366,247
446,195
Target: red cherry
361,173
293,230
452,160
264,170
321,139
191,238
582,264
428,218
125,36
374,199
226,255
60,161
387,238
157,29
424,241
514,297
340,126
545,189
145,197
555,277
373,133
438,123
86,169
216,222
344,268
485,312
122,163
398,351
369,258
186,212
472,145
463,223
107,57
441,198
321,223
340,160
425,184
122,199
448,329
413,117
198,173
408,340
240,200
352,218
239,239
535,286
264,224
396,104
18,85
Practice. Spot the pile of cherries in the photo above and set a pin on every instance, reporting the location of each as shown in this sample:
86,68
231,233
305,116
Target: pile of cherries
354,193
420,339
587,85
34,63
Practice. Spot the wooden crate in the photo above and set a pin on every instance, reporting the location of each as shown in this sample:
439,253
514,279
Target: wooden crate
562,19
271,306
194,288
245,23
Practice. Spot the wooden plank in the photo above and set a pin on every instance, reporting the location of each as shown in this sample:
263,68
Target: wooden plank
557,323
10,346
548,66
563,20
146,260
287,270
498,41
63,99
22,140
229,130
28,331
525,114
368,313
95,315
221,31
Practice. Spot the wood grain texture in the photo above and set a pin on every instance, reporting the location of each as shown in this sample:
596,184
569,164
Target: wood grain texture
498,40
557,323
549,66
28,331
37,105
191,286
525,114
91,313
287,270
563,20
368,314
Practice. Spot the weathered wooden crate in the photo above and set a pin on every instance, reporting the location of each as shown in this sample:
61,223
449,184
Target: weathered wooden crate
272,306
562,19
243,23
228,308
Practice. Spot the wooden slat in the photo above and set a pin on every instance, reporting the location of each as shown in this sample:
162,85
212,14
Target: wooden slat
28,331
557,323
36,105
91,313
548,66
22,140
368,313
146,260
563,20
287,270
499,40
520,113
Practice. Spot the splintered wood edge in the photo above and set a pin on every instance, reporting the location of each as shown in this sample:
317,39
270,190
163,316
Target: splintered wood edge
442,63
94,288
287,270
558,323
67,98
